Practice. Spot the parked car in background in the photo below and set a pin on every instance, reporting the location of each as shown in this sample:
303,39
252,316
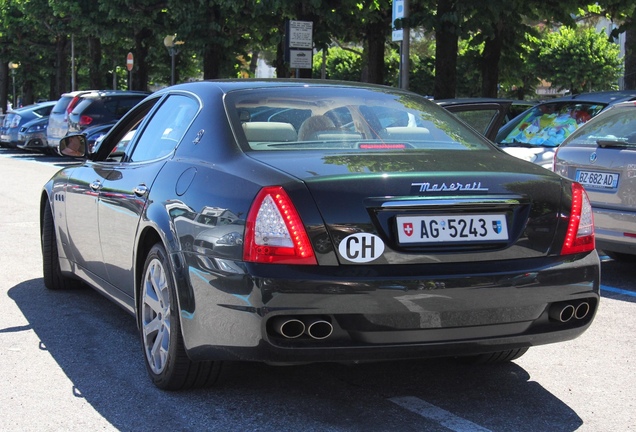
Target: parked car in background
536,133
15,119
601,155
99,107
94,134
317,221
58,120
32,135
487,115
79,110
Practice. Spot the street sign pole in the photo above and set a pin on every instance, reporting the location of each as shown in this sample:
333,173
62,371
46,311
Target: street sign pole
401,11
129,65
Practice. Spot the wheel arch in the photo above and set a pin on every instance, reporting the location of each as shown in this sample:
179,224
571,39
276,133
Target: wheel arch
148,238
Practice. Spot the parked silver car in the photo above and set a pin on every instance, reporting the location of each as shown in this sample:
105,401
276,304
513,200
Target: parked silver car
535,134
601,155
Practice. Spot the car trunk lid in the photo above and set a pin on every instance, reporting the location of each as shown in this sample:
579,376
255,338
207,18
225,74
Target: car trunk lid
382,208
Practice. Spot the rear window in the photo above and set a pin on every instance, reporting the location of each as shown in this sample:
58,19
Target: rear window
547,125
43,112
344,119
616,127
60,106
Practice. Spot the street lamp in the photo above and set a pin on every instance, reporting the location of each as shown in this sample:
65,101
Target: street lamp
172,45
13,66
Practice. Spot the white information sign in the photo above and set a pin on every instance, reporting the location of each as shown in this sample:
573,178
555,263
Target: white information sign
398,13
300,34
300,59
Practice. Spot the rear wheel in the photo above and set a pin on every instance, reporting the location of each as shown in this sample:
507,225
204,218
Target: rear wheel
54,279
160,330
495,357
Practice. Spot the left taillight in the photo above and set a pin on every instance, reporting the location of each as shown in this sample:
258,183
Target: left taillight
580,233
274,232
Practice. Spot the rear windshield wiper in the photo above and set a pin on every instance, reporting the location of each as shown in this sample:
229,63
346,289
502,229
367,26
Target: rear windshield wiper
608,142
525,145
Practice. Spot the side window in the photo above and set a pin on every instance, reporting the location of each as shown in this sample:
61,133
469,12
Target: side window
165,129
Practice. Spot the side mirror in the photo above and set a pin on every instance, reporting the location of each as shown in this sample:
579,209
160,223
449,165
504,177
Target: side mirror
73,146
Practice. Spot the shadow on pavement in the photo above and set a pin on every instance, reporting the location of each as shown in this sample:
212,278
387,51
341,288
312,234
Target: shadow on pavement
96,345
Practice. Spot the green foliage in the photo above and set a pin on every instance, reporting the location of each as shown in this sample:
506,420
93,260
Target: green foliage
346,64
579,60
224,33
341,64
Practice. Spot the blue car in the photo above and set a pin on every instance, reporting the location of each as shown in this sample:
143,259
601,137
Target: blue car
17,118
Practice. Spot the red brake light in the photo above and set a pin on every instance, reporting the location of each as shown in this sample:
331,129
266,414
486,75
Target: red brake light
580,234
85,120
274,232
72,104
381,146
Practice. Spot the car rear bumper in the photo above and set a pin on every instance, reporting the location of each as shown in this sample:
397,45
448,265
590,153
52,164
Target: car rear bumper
371,315
615,230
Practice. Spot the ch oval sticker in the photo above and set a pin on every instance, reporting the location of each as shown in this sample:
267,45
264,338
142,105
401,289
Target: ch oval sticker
361,247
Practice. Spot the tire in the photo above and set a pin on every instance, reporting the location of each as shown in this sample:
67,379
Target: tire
54,279
495,357
160,330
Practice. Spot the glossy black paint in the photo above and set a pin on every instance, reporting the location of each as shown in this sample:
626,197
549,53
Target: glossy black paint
411,302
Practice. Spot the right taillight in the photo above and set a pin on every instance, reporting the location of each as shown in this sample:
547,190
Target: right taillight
274,232
580,232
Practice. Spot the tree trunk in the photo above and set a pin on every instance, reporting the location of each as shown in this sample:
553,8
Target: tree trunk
253,63
140,77
62,76
630,59
212,61
490,63
376,40
282,71
446,36
4,86
95,59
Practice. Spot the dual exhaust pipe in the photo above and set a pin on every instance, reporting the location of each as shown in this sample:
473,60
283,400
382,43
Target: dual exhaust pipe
564,312
293,327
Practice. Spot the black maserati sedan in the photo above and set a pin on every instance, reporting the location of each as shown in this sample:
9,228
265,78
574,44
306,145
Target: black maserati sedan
292,221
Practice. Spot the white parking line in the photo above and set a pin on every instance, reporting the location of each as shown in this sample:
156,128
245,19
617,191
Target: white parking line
431,412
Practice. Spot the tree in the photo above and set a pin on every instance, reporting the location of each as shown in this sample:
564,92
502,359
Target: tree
579,60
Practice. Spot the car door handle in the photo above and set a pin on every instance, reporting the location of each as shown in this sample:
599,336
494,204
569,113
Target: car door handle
140,190
96,185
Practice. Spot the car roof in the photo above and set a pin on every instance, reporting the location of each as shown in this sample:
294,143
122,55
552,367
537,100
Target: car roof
32,106
470,100
105,93
607,97
227,85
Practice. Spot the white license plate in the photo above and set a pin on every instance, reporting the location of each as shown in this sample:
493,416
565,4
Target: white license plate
451,228
596,179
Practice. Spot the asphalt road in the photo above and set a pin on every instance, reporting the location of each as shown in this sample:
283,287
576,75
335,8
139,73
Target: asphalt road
72,361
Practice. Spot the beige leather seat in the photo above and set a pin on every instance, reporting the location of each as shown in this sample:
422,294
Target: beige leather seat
313,126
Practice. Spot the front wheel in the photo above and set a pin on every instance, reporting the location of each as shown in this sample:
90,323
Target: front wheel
160,330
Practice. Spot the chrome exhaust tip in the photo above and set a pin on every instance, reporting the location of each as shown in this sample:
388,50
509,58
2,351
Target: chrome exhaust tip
318,328
562,313
581,311
290,328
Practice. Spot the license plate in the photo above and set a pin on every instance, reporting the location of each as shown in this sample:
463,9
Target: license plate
451,228
596,179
